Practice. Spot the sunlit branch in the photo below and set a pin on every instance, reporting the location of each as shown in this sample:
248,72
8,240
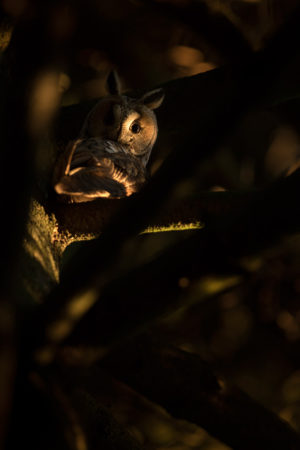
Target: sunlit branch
123,305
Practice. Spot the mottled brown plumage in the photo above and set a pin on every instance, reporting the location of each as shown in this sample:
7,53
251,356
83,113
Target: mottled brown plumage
109,157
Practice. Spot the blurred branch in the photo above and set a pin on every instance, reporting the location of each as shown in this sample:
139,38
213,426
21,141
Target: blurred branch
185,385
17,145
213,26
30,53
84,422
100,428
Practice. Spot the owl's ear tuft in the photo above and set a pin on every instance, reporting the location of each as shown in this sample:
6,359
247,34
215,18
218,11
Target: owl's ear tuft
153,99
113,83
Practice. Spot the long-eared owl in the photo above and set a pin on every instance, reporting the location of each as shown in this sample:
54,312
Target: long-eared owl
110,155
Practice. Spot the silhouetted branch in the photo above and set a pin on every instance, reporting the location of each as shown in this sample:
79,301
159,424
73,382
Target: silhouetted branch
99,427
265,218
185,385
214,27
103,431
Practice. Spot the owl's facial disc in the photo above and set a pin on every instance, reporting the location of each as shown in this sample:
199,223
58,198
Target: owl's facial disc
129,121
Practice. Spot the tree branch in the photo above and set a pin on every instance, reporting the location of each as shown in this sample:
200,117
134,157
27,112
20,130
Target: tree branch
98,424
215,28
115,305
188,389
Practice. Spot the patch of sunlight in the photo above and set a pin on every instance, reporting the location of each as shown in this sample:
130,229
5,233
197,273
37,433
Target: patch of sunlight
289,324
81,443
212,285
136,434
64,82
184,282
190,60
216,445
252,264
291,388
82,303
283,152
44,100
199,290
193,438
15,7
59,329
158,432
5,36
287,415
185,56
45,355
174,227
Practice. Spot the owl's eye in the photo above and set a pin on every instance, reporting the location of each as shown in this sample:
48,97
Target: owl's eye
135,128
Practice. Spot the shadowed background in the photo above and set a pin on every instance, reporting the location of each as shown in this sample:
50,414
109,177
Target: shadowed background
237,309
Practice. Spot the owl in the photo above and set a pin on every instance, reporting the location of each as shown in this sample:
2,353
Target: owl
110,155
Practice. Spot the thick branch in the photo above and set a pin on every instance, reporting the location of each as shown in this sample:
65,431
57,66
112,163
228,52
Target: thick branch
91,218
188,389
118,310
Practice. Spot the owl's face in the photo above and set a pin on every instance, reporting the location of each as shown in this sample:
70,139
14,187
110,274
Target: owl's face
130,122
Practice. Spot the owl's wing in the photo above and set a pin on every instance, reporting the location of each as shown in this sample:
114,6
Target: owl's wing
95,168
88,183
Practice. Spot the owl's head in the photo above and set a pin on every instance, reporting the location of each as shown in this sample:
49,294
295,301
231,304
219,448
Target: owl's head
129,121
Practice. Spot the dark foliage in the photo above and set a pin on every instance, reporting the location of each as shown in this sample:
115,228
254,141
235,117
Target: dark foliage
142,322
